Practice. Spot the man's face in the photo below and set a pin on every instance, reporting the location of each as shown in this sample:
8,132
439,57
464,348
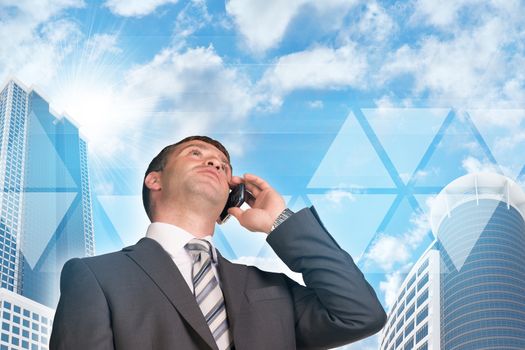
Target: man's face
196,168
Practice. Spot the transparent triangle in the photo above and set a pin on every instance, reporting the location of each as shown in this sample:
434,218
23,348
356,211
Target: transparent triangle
43,212
455,154
352,219
405,134
44,167
221,244
351,161
504,133
425,202
243,242
127,216
106,237
403,239
459,232
295,203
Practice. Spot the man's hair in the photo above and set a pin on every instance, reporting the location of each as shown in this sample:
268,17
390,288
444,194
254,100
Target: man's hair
159,162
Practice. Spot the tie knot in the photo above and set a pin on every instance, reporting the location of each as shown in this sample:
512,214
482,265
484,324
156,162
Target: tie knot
197,246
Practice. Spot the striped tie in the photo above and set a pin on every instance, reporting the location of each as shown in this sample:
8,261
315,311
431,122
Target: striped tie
208,292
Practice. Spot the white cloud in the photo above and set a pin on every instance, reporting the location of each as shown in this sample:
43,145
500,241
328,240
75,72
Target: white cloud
504,118
172,96
390,287
375,24
438,13
317,104
270,265
190,19
474,165
478,62
337,196
35,38
102,44
387,251
135,8
446,15
317,68
370,343
263,23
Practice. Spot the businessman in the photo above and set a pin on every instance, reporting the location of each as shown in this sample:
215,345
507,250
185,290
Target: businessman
173,290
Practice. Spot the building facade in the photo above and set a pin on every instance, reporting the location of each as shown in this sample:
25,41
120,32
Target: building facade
26,324
46,211
413,321
476,299
480,225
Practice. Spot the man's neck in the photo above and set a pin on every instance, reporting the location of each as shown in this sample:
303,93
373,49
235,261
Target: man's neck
197,222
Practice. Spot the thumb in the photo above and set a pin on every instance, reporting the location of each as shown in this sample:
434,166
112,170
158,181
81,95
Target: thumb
236,212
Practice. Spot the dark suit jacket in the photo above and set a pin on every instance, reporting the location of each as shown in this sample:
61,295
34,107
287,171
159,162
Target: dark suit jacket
137,298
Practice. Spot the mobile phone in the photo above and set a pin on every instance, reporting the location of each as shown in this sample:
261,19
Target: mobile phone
236,198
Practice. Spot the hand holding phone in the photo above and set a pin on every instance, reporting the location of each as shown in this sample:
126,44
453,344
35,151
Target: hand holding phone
236,198
265,204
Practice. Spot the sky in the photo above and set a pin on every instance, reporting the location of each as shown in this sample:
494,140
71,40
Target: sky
364,109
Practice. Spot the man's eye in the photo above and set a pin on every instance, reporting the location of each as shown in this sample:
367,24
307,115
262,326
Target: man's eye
195,152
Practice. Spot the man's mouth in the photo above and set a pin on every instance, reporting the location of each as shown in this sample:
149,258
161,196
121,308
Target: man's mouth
211,172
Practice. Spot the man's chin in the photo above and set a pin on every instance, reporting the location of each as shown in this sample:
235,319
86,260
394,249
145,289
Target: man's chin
211,194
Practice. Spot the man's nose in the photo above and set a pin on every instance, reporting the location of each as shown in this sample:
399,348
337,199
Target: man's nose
214,162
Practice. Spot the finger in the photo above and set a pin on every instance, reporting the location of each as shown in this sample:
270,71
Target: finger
250,199
235,180
259,182
253,189
236,212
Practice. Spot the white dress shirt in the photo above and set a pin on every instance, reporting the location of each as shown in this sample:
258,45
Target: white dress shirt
173,239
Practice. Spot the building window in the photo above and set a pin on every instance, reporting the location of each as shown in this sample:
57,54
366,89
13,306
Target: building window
410,296
399,324
399,340
15,341
421,315
423,347
410,311
409,328
421,333
410,344
422,282
411,282
422,298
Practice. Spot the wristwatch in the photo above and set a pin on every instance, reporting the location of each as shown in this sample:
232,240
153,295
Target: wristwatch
285,214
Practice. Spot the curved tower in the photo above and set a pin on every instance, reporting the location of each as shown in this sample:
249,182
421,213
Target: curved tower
478,220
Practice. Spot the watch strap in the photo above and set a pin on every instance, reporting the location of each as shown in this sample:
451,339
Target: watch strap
285,214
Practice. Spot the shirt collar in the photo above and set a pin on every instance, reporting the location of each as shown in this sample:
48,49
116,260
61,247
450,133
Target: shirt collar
173,238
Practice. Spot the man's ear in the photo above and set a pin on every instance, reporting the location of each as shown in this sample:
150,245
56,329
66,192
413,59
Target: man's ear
152,181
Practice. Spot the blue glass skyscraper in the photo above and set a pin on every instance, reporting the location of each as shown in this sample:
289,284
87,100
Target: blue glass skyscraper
480,226
46,211
478,257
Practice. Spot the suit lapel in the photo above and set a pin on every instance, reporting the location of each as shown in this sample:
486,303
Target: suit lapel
159,266
233,284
